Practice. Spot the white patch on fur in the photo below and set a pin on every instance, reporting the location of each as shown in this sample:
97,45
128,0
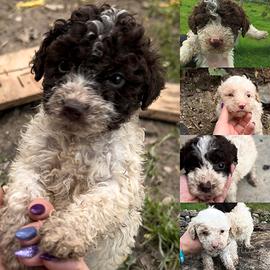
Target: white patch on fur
203,145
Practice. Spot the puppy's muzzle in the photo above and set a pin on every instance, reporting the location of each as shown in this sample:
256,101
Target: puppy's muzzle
73,109
216,42
205,187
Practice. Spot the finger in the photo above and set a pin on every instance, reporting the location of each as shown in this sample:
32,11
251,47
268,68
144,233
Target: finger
249,130
29,256
1,197
28,235
40,209
53,264
224,115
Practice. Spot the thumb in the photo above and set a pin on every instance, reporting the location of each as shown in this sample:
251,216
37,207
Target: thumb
224,115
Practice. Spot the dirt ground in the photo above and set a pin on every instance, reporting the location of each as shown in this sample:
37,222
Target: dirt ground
198,104
246,192
24,29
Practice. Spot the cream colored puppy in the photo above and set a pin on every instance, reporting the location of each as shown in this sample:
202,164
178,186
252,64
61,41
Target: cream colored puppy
239,95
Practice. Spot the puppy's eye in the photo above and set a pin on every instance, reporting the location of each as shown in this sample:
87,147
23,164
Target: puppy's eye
222,231
64,67
117,80
205,233
219,166
248,95
230,95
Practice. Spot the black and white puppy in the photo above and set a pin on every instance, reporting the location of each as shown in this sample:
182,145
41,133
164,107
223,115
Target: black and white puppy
207,161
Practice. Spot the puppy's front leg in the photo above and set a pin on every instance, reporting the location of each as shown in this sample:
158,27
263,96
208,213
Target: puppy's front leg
255,33
208,263
72,232
229,256
188,49
14,215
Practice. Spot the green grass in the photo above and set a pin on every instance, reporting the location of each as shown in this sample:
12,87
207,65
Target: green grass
249,52
161,235
165,31
193,206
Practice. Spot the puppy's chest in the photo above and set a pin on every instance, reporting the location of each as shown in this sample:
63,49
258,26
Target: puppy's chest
74,169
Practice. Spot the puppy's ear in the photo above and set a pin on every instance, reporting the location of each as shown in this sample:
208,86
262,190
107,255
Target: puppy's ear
192,230
245,23
233,153
155,82
199,17
38,61
233,227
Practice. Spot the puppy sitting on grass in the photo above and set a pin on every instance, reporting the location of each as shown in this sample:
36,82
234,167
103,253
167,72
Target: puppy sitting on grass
82,151
240,97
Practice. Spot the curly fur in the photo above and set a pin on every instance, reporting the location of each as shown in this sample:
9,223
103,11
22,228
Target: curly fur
215,27
240,91
82,151
241,224
213,229
202,156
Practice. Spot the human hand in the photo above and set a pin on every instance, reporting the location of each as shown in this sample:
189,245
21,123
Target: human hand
236,126
188,245
185,195
29,254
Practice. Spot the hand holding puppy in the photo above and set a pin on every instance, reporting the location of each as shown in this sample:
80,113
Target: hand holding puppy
29,254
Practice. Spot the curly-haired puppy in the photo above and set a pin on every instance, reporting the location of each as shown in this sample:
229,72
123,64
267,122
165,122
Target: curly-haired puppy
212,227
240,96
207,161
82,151
215,27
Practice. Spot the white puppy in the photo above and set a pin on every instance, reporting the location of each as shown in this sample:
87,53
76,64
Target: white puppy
241,224
240,96
212,228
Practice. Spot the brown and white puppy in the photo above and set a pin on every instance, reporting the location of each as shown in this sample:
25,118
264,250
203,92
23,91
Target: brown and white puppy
213,229
240,96
82,151
215,28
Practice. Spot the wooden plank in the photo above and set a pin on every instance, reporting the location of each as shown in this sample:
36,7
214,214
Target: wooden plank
167,106
18,90
16,61
17,84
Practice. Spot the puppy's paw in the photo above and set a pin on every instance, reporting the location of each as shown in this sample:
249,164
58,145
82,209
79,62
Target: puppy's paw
61,240
262,34
248,246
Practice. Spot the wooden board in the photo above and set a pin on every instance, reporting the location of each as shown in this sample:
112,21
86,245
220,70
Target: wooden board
17,87
167,106
17,84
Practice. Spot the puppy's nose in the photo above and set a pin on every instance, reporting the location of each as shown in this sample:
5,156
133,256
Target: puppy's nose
73,109
205,187
242,106
215,245
216,42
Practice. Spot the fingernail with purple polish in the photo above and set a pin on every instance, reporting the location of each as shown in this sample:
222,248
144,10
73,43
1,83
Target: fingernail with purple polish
27,233
47,257
222,105
27,252
37,209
